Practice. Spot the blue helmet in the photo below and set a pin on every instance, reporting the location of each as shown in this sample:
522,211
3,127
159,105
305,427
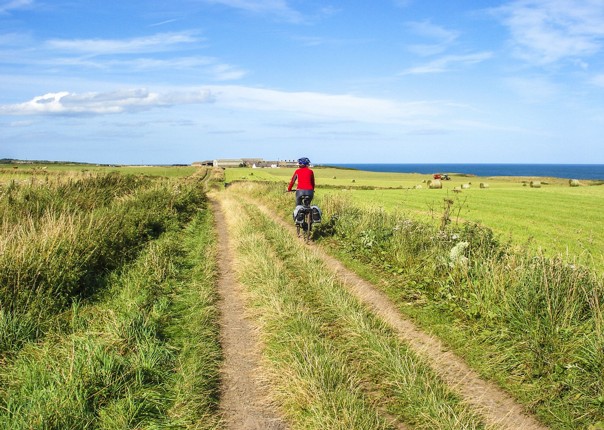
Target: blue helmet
303,161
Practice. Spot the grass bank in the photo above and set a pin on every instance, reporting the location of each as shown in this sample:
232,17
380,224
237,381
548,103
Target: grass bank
141,353
59,240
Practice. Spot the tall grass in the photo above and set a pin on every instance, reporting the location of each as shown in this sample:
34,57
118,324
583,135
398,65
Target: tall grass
58,241
531,322
143,354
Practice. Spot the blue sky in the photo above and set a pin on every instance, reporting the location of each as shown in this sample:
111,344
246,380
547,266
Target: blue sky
394,81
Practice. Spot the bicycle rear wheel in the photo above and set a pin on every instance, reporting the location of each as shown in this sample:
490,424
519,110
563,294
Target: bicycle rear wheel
308,226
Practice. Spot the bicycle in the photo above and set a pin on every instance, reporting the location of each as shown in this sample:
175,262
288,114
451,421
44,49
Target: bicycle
304,220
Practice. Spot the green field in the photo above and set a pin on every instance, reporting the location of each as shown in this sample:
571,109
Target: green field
24,171
555,219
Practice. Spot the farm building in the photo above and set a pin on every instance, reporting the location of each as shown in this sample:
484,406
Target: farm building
247,162
250,162
234,162
265,164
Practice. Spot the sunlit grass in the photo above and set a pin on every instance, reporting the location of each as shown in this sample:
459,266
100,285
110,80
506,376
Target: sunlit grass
144,354
24,171
556,218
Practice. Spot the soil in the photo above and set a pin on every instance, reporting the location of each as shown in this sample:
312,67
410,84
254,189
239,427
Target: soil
245,403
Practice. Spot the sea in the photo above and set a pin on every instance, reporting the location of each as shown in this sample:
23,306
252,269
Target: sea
566,171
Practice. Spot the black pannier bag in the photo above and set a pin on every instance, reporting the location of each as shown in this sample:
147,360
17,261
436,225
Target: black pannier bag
299,214
316,214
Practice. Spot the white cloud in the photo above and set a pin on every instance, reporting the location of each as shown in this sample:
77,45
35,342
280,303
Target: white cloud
326,106
109,55
154,43
547,31
598,80
66,103
432,31
448,62
278,8
24,123
14,39
306,105
207,67
442,37
167,21
7,6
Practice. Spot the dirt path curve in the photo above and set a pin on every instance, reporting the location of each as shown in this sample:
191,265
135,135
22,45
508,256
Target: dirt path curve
495,406
244,401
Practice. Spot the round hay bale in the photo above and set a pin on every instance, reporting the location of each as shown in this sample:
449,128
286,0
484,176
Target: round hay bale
435,184
484,185
465,186
535,184
574,182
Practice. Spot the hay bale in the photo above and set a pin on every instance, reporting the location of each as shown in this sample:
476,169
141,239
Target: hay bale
535,184
574,182
484,185
418,187
435,184
465,186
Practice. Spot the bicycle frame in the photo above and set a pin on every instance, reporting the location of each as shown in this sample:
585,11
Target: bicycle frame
304,230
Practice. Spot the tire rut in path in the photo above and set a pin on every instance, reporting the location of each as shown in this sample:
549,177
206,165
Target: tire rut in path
495,406
244,401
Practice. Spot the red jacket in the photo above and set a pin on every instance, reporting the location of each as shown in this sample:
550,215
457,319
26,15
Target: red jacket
305,177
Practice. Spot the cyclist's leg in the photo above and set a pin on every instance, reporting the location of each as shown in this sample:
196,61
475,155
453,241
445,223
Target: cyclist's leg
301,193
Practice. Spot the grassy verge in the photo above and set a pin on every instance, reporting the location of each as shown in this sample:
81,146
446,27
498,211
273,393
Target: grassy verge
59,241
332,364
532,323
144,354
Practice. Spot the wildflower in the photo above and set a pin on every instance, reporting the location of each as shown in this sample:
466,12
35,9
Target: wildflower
456,255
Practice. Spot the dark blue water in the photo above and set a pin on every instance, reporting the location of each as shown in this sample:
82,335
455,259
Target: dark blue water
568,171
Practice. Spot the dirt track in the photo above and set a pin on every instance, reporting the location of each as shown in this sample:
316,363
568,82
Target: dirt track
245,406
244,402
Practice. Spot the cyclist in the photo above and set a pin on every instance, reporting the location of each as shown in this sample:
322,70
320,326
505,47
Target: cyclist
306,180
